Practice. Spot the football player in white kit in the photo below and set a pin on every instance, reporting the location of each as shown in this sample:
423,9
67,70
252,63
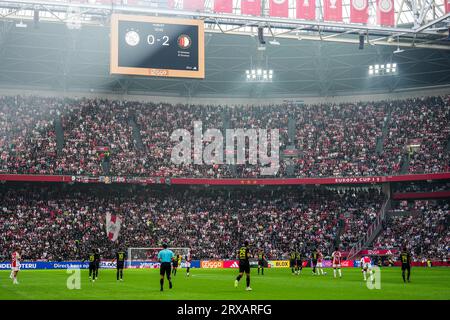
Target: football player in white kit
337,262
366,265
15,266
188,264
320,263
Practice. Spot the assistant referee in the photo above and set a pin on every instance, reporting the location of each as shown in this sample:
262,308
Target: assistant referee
165,257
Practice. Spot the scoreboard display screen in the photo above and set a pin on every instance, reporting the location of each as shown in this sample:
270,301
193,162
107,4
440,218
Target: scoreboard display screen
155,46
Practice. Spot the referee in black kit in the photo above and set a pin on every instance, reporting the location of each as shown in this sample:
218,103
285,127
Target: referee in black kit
165,256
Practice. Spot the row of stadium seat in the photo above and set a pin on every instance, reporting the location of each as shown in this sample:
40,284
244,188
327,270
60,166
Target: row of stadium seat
360,139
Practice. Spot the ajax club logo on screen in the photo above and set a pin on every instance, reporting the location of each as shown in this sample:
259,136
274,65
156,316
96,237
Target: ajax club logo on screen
132,38
184,41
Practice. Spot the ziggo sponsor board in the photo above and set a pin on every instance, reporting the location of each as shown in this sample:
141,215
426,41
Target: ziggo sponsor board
217,264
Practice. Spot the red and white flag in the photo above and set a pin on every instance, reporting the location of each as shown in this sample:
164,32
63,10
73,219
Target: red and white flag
332,10
251,7
113,223
306,9
447,6
279,8
359,11
385,13
223,6
194,5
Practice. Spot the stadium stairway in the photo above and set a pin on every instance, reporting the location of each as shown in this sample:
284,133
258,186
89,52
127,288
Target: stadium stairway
106,167
448,144
291,130
379,227
376,228
226,118
341,229
59,135
404,169
380,140
136,133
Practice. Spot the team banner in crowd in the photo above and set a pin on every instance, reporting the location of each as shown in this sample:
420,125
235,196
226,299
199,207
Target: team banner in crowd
194,5
359,11
223,6
279,8
251,7
332,10
306,9
113,223
385,13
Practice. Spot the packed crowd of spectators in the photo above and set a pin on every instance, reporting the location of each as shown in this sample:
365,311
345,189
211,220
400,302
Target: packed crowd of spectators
90,124
27,135
339,140
423,228
350,139
423,122
65,222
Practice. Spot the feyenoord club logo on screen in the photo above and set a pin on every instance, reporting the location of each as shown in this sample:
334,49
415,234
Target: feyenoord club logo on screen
184,41
132,38
359,4
386,5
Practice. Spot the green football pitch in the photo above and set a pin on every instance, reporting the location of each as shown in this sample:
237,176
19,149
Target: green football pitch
218,284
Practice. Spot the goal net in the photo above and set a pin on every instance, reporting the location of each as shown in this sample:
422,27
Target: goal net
147,257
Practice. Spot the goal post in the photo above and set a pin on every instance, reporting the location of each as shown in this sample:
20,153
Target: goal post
150,255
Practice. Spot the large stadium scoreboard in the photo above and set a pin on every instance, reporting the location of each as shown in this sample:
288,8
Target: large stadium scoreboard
157,46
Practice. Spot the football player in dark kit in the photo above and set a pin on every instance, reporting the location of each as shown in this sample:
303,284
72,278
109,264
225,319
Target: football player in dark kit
261,261
293,261
175,263
244,265
405,258
298,262
314,256
97,263
120,262
91,259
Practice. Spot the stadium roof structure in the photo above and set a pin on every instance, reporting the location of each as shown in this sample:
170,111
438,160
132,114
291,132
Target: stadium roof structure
68,49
